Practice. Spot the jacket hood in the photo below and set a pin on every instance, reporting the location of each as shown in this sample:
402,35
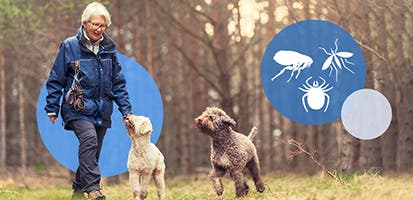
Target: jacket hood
109,46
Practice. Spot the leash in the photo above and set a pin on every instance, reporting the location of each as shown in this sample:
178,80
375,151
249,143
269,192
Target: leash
74,96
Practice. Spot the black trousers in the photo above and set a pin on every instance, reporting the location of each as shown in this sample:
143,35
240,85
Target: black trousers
90,143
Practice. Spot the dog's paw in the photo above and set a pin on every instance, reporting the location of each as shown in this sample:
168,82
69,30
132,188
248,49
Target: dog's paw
242,191
260,188
246,187
143,194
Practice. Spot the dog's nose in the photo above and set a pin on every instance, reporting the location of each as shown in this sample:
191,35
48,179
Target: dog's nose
197,121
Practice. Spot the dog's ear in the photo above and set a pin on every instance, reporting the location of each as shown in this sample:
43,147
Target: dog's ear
146,127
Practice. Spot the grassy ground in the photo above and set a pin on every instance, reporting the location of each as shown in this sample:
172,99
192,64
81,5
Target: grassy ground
284,187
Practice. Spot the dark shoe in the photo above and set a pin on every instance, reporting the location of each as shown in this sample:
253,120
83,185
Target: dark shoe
78,195
95,195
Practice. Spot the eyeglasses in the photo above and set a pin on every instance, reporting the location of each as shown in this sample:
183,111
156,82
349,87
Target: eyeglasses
97,26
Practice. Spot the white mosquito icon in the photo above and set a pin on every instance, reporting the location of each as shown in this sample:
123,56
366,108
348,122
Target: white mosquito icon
336,59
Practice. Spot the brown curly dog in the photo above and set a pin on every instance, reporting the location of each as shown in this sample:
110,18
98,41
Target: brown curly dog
230,151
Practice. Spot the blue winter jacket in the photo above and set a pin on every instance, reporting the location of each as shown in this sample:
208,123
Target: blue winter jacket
100,76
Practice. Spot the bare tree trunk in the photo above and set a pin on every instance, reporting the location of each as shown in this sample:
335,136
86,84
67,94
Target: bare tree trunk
243,95
306,9
383,82
282,147
243,103
172,115
275,135
195,99
117,22
263,150
290,130
349,147
189,137
2,111
137,39
371,149
220,53
404,97
311,140
274,117
198,103
149,39
349,150
407,91
22,122
185,96
183,144
323,139
291,13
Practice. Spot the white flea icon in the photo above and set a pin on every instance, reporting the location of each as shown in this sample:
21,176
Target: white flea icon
315,94
336,59
293,61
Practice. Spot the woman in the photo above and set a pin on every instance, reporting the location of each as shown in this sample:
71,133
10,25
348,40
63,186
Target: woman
89,60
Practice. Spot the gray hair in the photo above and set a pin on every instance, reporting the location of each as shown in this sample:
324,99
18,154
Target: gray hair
98,9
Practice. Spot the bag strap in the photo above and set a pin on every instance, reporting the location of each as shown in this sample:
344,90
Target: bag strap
76,75
75,46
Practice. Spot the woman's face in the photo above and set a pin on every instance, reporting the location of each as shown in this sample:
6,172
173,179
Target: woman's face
95,27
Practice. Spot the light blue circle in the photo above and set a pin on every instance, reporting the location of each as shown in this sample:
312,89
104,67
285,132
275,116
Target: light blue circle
366,114
306,45
146,100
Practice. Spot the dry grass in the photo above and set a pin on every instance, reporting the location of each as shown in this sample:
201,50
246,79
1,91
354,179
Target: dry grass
278,186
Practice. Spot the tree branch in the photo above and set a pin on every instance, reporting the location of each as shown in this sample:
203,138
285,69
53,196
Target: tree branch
184,28
373,51
210,19
303,149
192,64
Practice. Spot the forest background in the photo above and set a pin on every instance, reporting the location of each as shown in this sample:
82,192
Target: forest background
208,52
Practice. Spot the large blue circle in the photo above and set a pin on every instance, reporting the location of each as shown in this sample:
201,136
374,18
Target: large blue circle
145,99
309,46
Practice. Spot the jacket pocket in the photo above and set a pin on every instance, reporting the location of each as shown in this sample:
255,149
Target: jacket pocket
90,108
107,73
88,72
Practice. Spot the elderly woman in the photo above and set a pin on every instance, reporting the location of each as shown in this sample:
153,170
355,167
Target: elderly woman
87,61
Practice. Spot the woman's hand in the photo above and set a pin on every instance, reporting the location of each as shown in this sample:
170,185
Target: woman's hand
53,118
125,118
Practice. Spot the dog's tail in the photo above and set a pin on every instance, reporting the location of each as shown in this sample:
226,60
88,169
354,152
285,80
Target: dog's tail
252,133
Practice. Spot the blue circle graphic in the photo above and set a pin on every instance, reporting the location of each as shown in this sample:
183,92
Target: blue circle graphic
308,70
145,99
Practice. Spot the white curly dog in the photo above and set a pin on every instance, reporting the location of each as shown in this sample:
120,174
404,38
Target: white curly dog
145,160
